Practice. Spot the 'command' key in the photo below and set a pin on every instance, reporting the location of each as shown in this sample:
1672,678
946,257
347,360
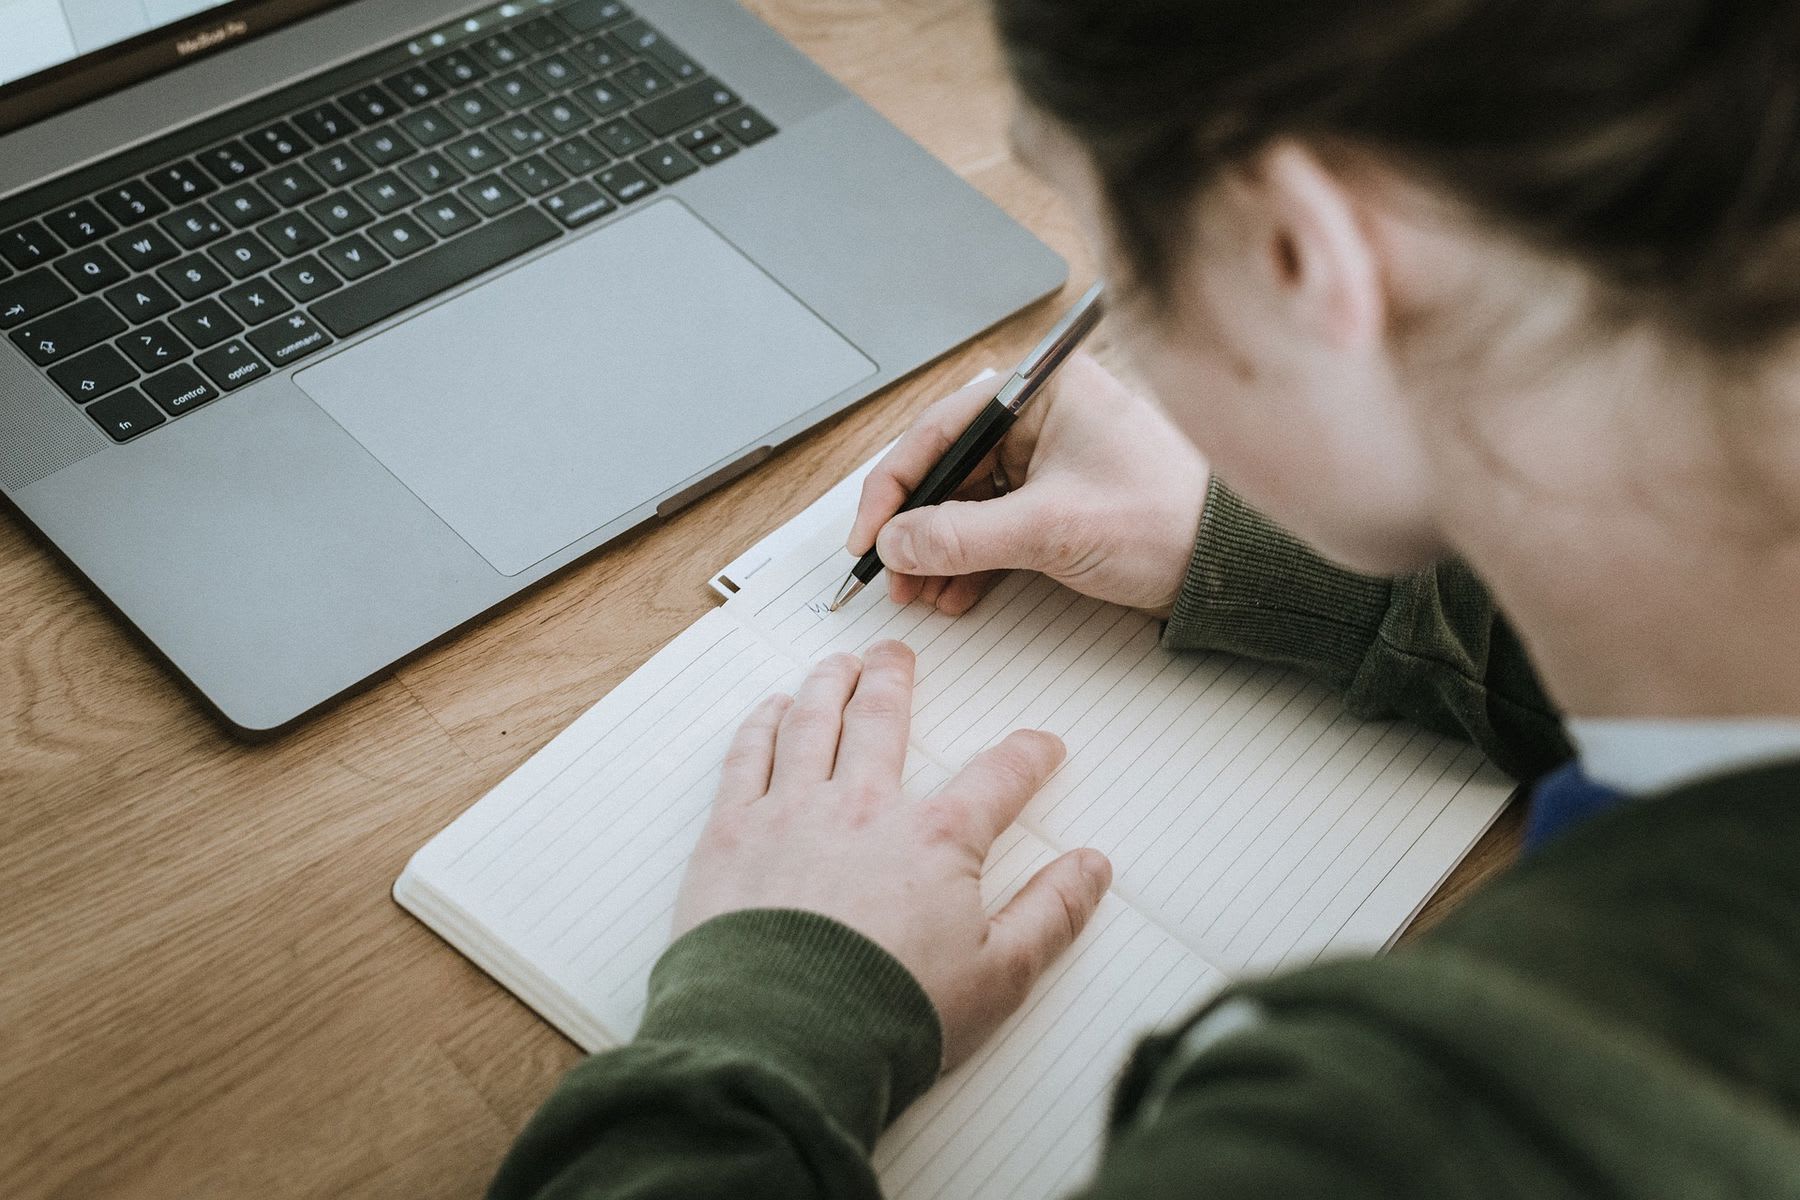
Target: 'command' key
289,339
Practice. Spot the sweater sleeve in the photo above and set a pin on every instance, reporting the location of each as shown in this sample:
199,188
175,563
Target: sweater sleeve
1430,647
775,1047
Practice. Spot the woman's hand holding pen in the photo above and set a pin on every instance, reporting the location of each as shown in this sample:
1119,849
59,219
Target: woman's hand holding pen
1103,494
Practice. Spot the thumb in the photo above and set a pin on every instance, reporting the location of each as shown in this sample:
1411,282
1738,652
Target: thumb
961,537
1045,918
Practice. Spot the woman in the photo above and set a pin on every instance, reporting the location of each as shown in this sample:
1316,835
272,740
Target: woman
1505,283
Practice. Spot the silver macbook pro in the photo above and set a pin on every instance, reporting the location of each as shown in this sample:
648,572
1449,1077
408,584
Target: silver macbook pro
325,326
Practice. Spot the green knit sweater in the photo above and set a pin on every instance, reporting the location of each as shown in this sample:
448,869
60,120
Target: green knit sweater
1618,1017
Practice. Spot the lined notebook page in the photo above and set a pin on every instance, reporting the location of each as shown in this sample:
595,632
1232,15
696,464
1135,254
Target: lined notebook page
1240,805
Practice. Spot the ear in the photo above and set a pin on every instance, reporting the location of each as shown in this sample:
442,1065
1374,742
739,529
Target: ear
1322,258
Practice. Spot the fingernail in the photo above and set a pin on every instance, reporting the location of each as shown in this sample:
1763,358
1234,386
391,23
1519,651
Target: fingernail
1097,871
896,546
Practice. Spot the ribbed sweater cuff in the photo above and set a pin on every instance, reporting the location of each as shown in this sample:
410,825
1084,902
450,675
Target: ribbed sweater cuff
1256,590
808,996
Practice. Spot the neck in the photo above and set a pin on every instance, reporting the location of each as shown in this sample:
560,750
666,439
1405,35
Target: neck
1639,523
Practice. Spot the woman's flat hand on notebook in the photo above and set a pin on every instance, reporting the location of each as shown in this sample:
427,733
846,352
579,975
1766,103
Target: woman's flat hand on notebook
810,815
1104,496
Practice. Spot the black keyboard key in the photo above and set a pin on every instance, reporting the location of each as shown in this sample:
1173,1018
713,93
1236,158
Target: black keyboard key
194,276
125,414
178,389
385,193
66,332
492,195
382,146
153,347
621,137
472,109
256,301
339,214
306,279
141,249
399,237
291,235
432,173
446,216
667,163
32,295
442,267
279,143
371,105
244,255
91,375
231,163
415,86
429,126
515,90
457,69
475,154
697,137
644,79
561,117
354,257
206,324
142,299
578,204
193,226
520,134
637,37
500,52
181,182
28,245
603,99
289,339
243,205
684,107
585,16
666,55
231,366
291,186
90,270
534,176
80,224
325,123
557,72
578,156
598,55
338,165
713,152
129,203
540,34
626,181
747,125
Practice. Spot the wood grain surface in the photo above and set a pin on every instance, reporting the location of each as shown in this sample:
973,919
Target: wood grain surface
205,989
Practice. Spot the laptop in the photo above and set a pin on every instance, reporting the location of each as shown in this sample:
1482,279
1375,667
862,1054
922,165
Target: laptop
326,326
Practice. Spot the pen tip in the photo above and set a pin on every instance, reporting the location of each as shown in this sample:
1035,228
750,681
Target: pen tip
846,593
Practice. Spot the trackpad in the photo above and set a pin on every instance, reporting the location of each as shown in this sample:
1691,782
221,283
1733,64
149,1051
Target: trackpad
533,410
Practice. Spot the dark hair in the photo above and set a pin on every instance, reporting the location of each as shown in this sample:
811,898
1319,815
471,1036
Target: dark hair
1657,141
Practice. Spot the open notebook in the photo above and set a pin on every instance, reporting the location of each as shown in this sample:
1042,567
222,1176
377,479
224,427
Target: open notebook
1251,823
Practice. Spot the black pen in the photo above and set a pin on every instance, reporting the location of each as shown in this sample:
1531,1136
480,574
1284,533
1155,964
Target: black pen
989,426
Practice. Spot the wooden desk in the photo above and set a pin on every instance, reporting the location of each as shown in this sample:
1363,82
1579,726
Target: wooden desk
205,990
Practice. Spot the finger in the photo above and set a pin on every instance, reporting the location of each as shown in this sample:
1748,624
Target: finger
912,458
806,743
878,717
746,773
903,589
995,786
1045,918
961,593
932,589
961,537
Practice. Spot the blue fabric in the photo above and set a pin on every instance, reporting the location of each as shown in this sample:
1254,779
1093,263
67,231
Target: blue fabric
1562,800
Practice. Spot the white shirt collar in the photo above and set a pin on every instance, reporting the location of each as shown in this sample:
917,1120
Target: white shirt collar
1640,756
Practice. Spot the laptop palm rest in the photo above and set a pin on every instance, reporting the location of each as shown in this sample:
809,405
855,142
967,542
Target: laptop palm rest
531,411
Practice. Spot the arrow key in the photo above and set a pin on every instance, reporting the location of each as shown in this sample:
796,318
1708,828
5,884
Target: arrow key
153,347
94,374
68,331
31,295
125,414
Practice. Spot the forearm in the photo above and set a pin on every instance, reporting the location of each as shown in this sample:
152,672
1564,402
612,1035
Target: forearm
1430,647
775,1048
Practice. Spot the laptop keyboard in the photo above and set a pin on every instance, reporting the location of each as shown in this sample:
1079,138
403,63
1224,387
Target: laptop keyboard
146,292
